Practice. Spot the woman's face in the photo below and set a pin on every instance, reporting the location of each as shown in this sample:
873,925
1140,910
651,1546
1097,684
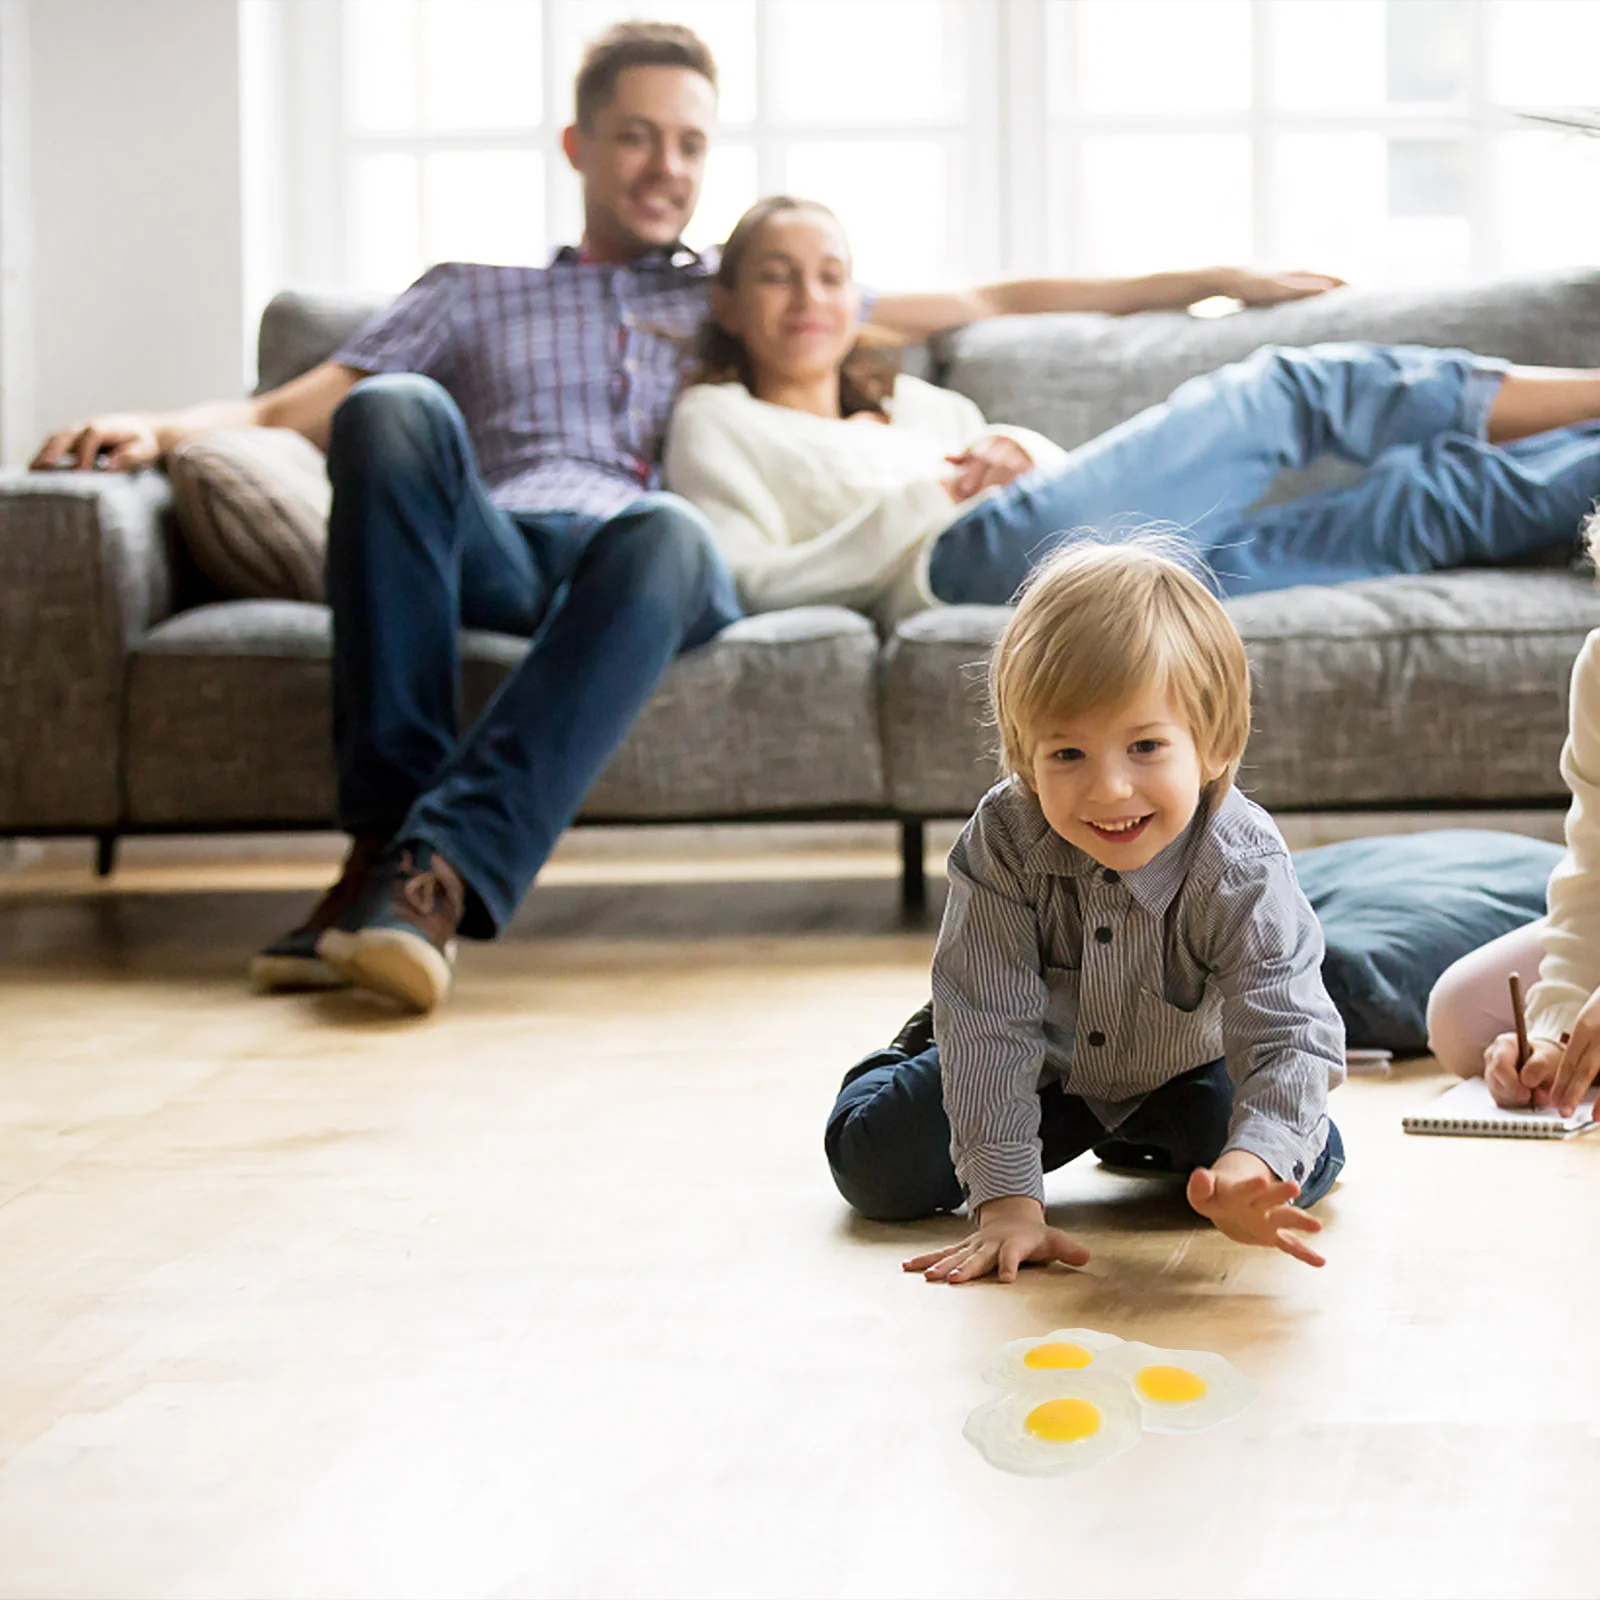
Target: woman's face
795,305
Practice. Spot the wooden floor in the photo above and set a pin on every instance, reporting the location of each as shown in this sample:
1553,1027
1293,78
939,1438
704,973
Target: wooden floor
550,1294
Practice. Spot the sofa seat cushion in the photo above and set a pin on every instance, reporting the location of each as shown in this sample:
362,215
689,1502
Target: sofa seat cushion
1449,689
229,719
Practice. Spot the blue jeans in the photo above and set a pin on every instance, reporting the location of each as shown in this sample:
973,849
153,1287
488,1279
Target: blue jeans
1437,493
888,1138
417,550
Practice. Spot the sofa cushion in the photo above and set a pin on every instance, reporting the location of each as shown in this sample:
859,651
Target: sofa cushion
1444,689
228,720
252,505
301,328
1396,911
1074,376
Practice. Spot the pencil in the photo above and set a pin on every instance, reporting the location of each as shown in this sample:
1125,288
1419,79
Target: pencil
1520,1017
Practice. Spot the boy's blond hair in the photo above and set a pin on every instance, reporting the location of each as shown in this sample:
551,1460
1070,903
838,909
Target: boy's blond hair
1098,624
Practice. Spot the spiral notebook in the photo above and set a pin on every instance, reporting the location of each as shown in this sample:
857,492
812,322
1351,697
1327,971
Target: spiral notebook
1469,1108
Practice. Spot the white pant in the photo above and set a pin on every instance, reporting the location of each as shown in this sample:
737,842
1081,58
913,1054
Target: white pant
1470,1006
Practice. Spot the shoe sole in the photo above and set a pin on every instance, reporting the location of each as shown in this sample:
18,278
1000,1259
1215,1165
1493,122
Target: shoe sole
270,974
388,961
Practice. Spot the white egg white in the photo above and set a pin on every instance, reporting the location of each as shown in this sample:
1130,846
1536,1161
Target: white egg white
1008,1365
1228,1390
999,1430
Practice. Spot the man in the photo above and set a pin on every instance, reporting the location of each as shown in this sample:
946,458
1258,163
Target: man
493,441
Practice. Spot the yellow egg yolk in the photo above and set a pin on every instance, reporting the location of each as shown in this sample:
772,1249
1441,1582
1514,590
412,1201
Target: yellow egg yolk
1172,1384
1057,1355
1062,1421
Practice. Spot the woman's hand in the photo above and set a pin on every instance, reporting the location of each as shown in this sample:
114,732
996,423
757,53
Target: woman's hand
1246,1201
1010,1231
1272,288
990,462
1511,1089
127,440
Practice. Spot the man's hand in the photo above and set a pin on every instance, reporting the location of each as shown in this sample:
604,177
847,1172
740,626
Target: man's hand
1538,1071
1010,1231
993,460
1272,288
1243,1198
127,440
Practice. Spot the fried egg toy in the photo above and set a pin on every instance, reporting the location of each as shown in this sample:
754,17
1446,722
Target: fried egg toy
1178,1391
1064,1422
1065,1350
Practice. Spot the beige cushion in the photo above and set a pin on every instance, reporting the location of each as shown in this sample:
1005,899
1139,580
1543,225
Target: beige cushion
253,507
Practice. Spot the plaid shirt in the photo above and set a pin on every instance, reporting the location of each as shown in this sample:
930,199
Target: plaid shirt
565,374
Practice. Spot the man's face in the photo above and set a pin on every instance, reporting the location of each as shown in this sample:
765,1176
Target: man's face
644,159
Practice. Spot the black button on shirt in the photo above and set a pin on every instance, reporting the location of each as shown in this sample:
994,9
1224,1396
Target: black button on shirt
1097,1038
1110,877
1103,935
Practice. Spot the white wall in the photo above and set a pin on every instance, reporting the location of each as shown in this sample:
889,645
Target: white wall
134,161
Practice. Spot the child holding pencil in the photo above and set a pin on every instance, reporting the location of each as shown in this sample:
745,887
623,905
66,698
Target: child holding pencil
1126,961
1471,1025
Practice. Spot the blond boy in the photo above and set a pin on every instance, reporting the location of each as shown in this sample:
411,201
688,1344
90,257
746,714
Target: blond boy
1126,962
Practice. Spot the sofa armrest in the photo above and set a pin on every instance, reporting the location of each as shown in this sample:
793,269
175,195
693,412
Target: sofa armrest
85,570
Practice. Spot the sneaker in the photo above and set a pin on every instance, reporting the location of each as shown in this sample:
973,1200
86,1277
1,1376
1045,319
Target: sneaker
399,938
292,962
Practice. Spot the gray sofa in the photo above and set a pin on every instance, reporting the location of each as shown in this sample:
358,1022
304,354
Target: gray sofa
131,701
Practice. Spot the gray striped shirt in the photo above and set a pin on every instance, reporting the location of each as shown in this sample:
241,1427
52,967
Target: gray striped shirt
1050,967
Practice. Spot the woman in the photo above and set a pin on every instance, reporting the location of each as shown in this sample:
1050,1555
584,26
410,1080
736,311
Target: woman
828,479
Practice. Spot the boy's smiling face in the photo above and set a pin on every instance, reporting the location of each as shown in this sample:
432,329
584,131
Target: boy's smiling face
1122,783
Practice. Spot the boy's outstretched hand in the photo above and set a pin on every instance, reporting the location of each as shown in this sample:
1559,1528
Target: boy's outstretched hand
1247,1202
1010,1231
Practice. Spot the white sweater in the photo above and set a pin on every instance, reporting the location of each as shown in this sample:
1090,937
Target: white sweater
1570,971
814,511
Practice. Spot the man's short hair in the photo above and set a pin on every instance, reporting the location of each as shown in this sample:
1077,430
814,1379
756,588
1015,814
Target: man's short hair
636,44
1099,623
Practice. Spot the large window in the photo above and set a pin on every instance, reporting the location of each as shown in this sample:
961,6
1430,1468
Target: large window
957,139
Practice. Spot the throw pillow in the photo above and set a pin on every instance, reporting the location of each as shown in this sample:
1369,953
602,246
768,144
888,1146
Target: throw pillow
252,505
1396,911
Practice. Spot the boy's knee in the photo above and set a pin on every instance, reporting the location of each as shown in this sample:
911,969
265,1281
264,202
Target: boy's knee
885,1168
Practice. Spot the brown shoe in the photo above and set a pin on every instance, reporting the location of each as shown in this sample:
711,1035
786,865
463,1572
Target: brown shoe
291,962
399,938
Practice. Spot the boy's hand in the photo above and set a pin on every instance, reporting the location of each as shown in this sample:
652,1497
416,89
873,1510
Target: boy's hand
1538,1072
1010,1231
1246,1202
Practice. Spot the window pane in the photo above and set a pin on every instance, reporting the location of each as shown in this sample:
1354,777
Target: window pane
1427,50
1161,55
731,187
1358,204
382,221
1544,52
727,26
481,64
893,199
1153,201
1547,193
380,66
1328,55
1428,177
484,205
868,61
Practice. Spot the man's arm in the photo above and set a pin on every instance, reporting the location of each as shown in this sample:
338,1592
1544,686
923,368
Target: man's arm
130,440
919,316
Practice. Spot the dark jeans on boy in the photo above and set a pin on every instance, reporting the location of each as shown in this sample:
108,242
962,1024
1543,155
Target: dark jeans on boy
417,550
888,1139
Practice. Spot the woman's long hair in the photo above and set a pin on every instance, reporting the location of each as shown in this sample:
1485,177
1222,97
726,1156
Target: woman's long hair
866,375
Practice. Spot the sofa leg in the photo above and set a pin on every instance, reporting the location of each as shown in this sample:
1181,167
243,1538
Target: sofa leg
105,853
913,872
